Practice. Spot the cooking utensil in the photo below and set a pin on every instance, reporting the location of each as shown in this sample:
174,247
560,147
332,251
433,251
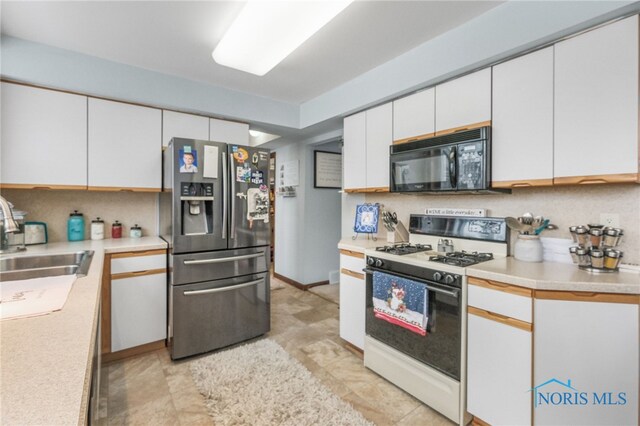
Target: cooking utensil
537,221
394,218
527,218
542,227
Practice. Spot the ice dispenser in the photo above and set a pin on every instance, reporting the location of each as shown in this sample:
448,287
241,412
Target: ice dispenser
196,199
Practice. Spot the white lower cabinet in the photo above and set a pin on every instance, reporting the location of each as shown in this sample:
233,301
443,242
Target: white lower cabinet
499,352
138,310
352,299
586,360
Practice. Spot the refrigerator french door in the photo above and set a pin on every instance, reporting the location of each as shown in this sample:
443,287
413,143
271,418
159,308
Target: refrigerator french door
214,212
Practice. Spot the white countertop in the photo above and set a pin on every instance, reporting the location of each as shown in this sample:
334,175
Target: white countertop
46,360
360,244
554,276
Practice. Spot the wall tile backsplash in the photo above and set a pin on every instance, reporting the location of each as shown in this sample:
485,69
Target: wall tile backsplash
563,205
53,208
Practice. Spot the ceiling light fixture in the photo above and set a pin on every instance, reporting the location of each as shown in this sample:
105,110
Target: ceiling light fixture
266,32
254,133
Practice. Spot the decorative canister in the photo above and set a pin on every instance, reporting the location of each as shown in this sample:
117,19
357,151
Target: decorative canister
135,232
528,248
75,226
97,229
116,230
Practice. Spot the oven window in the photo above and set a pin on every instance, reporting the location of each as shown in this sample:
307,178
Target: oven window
439,347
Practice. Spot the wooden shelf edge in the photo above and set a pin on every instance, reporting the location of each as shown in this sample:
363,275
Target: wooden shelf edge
597,179
499,286
630,299
353,274
367,190
122,189
41,186
352,253
123,275
502,319
138,253
463,128
522,183
414,138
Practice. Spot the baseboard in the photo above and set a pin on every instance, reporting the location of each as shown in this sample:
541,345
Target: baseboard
296,284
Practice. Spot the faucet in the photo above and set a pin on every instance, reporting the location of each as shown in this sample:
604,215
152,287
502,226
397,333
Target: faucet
8,222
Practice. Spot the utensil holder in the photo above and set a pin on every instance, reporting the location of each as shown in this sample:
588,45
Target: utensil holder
528,248
399,234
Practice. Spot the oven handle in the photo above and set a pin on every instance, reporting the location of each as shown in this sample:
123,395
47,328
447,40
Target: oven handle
453,293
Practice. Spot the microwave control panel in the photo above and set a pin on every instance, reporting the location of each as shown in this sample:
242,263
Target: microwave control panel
471,166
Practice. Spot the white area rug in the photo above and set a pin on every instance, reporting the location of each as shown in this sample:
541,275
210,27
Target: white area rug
261,384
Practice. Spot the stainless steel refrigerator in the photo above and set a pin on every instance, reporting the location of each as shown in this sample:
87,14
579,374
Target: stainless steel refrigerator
214,213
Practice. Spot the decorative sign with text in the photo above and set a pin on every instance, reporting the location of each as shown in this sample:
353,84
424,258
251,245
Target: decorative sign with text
456,212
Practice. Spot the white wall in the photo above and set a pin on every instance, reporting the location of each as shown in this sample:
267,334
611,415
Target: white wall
308,226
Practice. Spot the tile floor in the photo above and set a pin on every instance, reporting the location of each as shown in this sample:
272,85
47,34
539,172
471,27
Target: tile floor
151,389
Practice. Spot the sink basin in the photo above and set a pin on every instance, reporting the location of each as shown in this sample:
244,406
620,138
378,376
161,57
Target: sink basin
26,267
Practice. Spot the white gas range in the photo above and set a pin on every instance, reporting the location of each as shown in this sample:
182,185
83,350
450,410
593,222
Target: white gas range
416,307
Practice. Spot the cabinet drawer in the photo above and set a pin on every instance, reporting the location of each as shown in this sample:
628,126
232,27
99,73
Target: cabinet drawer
501,302
138,311
351,263
138,263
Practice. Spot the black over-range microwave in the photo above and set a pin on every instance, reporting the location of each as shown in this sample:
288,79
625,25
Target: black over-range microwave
455,162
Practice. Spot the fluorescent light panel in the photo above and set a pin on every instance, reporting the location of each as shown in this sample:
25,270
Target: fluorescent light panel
266,32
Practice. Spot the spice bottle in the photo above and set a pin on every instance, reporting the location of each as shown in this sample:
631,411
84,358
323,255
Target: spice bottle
583,257
597,258
612,259
75,226
97,229
574,256
572,231
582,235
595,237
135,232
116,230
610,237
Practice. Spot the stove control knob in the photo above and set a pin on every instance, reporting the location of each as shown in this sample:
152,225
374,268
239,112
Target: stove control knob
437,276
449,279
379,263
371,261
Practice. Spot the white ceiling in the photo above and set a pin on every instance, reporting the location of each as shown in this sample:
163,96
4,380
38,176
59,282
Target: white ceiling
177,38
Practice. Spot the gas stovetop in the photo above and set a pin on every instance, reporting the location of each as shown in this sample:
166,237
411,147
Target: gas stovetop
404,248
461,258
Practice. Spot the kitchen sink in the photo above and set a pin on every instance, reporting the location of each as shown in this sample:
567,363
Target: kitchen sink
26,267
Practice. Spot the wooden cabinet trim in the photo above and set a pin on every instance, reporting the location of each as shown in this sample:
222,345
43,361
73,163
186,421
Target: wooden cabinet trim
463,128
352,253
136,350
365,190
631,299
138,273
38,186
138,253
414,138
352,274
521,183
496,285
116,189
597,179
477,421
512,322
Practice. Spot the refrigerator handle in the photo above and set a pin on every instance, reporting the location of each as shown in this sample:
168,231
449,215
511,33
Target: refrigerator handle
225,195
233,200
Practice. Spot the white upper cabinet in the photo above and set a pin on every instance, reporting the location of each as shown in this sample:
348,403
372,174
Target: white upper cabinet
180,125
44,138
522,122
354,152
228,132
464,102
596,105
414,116
125,146
379,138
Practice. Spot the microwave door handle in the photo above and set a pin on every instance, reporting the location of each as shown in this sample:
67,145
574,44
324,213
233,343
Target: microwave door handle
453,172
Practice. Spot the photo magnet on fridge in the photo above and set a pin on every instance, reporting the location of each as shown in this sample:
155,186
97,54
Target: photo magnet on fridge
243,174
241,155
188,159
254,158
257,177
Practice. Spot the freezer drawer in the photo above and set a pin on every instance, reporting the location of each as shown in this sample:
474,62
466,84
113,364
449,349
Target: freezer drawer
199,267
215,314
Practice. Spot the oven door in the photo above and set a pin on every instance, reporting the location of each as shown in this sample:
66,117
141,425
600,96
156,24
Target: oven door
440,348
426,169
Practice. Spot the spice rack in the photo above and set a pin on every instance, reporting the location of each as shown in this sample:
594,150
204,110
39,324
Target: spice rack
596,252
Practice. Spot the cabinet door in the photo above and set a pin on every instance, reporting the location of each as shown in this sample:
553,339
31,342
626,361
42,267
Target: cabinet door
354,152
498,372
414,116
522,121
180,125
228,132
594,345
379,136
125,146
138,311
352,309
44,137
596,105
464,102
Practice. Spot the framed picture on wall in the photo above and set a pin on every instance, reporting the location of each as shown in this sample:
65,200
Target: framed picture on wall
327,170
